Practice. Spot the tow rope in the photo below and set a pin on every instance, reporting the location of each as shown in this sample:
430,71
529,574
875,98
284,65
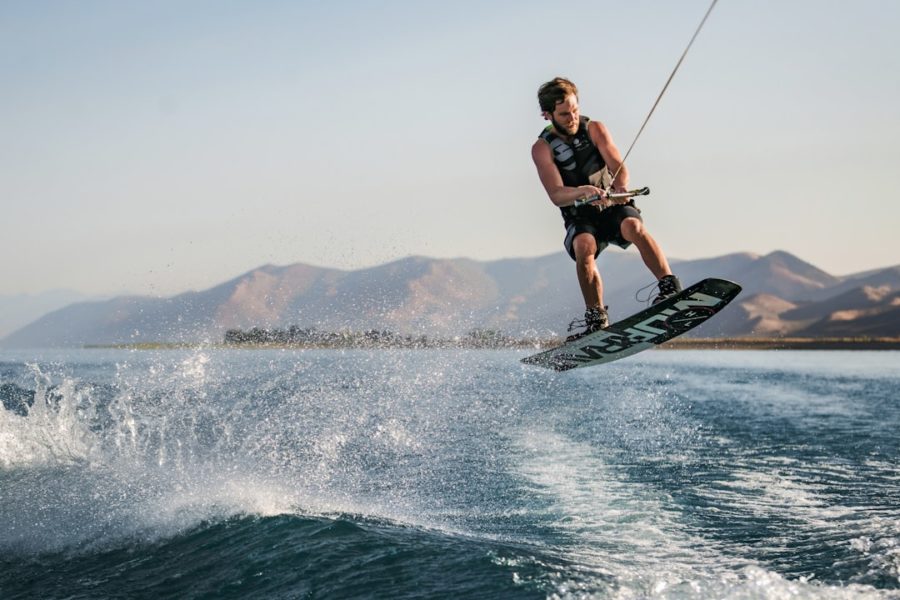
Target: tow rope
644,191
668,81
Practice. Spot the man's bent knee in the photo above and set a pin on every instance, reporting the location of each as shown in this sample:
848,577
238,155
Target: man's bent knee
632,229
585,247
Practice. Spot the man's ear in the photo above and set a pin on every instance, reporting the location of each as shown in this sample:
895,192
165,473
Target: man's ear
546,115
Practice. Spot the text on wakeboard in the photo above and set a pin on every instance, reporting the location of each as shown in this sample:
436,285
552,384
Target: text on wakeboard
691,311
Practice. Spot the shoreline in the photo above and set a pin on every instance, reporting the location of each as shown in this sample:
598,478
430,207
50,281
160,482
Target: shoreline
675,344
782,344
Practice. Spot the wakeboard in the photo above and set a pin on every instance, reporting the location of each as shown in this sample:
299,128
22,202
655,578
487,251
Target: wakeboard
646,329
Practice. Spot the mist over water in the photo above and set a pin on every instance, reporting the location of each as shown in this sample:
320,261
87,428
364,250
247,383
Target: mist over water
448,473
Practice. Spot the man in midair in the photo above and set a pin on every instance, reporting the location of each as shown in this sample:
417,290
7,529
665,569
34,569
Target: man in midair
576,159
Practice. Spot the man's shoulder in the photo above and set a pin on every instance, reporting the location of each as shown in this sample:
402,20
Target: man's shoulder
595,125
540,145
598,133
541,152
546,134
544,138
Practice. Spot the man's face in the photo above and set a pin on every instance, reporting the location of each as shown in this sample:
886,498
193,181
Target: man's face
565,115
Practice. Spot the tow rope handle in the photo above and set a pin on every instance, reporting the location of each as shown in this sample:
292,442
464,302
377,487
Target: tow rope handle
616,196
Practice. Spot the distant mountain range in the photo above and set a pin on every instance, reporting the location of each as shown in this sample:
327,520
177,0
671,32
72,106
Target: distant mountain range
20,309
783,296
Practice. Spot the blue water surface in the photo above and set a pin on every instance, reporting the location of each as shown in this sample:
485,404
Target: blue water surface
214,473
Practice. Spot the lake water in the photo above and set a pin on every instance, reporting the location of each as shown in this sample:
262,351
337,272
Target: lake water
448,473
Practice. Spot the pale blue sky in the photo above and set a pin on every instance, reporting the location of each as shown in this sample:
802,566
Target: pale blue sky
157,147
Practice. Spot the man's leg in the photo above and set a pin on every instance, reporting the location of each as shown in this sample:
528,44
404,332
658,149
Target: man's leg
633,231
585,247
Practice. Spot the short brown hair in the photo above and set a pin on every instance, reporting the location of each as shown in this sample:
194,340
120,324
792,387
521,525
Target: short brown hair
555,91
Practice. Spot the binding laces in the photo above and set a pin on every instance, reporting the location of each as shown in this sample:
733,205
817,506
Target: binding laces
593,318
577,324
666,286
649,297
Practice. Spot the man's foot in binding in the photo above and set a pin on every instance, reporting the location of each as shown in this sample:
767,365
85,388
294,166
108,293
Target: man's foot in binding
595,319
668,286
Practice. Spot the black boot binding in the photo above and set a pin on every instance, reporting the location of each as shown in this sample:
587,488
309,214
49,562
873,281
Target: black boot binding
668,286
595,318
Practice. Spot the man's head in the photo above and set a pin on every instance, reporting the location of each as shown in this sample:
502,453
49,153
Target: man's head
558,99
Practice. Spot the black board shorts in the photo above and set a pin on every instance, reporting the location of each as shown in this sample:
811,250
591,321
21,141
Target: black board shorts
604,225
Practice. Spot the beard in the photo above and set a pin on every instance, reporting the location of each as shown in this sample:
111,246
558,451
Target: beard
564,130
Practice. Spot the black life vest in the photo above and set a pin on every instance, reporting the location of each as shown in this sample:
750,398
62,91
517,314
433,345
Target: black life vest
579,163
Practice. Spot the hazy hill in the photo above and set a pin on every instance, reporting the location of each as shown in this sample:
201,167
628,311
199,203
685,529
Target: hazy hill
867,312
889,277
780,274
445,297
756,314
20,309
